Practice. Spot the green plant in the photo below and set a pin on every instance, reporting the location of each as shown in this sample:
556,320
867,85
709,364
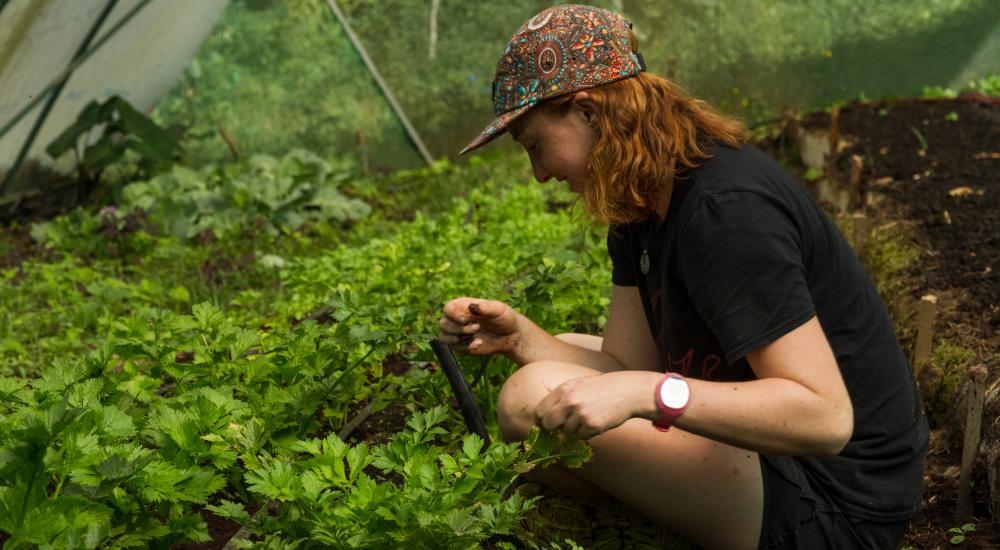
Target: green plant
940,383
194,380
959,534
919,136
989,86
938,92
411,491
104,132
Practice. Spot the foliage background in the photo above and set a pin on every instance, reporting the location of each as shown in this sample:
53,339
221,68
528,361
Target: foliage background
282,74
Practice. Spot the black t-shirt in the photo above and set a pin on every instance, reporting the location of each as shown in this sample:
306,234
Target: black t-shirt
744,256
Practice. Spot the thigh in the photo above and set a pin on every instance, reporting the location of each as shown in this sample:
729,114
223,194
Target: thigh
585,341
690,484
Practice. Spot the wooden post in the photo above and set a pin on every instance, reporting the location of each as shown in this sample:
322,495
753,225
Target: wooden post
975,400
862,230
926,311
854,182
833,134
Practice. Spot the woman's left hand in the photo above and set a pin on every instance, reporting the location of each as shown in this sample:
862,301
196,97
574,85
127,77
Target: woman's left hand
589,406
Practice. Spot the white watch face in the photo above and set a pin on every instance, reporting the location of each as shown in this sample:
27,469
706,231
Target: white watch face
674,393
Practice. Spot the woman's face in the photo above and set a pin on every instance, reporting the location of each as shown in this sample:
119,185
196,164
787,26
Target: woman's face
558,146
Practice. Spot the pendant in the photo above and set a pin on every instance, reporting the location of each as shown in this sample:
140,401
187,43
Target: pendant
644,262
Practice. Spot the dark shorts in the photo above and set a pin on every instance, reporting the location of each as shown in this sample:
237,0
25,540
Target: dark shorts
799,515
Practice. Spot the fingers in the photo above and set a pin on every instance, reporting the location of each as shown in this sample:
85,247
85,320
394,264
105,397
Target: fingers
572,411
456,326
548,414
452,327
464,310
462,324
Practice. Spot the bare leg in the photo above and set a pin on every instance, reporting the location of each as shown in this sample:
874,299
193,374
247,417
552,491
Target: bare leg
586,341
706,491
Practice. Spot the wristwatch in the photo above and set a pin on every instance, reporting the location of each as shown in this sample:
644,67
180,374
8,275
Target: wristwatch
672,397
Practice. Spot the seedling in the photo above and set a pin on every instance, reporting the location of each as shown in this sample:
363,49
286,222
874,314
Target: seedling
959,534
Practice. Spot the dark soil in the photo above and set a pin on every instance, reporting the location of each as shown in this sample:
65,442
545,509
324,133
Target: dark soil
220,529
17,245
936,166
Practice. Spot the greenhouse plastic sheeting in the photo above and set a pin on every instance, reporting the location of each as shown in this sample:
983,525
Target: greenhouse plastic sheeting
140,63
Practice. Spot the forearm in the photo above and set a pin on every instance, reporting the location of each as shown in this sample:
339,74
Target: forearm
533,344
771,415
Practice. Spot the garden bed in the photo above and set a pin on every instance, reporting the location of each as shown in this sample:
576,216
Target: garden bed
932,169
926,172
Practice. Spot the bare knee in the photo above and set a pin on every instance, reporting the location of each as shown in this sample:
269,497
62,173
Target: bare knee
521,393
517,400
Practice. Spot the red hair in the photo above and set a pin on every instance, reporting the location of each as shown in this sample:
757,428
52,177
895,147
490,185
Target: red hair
647,130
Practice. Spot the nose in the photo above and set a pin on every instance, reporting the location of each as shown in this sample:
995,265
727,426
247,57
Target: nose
541,175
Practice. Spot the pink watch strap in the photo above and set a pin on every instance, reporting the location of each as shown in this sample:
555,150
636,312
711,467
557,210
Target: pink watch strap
667,414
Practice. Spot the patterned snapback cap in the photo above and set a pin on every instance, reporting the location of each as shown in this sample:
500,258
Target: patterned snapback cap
561,50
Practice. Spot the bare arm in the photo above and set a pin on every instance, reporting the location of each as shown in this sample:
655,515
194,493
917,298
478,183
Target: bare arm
627,342
797,406
627,337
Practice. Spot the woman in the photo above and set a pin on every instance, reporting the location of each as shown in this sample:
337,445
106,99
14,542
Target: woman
749,390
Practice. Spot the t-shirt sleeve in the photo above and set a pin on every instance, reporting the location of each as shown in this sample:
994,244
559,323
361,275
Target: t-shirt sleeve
741,261
622,264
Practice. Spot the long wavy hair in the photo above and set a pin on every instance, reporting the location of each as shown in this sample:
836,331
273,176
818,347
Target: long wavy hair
648,130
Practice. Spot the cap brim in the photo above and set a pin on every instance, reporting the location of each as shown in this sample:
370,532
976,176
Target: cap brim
495,129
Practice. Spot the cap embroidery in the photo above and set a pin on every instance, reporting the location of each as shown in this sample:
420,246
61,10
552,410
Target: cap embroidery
558,51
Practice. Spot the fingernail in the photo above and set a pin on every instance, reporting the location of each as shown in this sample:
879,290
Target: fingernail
474,308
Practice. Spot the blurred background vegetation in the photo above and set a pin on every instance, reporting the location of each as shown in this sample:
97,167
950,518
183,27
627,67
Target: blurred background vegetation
279,74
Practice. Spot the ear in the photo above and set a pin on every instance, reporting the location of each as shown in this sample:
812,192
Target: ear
588,109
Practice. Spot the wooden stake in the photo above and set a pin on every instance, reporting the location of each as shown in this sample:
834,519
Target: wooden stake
862,230
833,136
854,182
925,331
976,397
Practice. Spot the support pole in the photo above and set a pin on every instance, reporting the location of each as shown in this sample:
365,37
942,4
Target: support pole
54,95
433,38
410,130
